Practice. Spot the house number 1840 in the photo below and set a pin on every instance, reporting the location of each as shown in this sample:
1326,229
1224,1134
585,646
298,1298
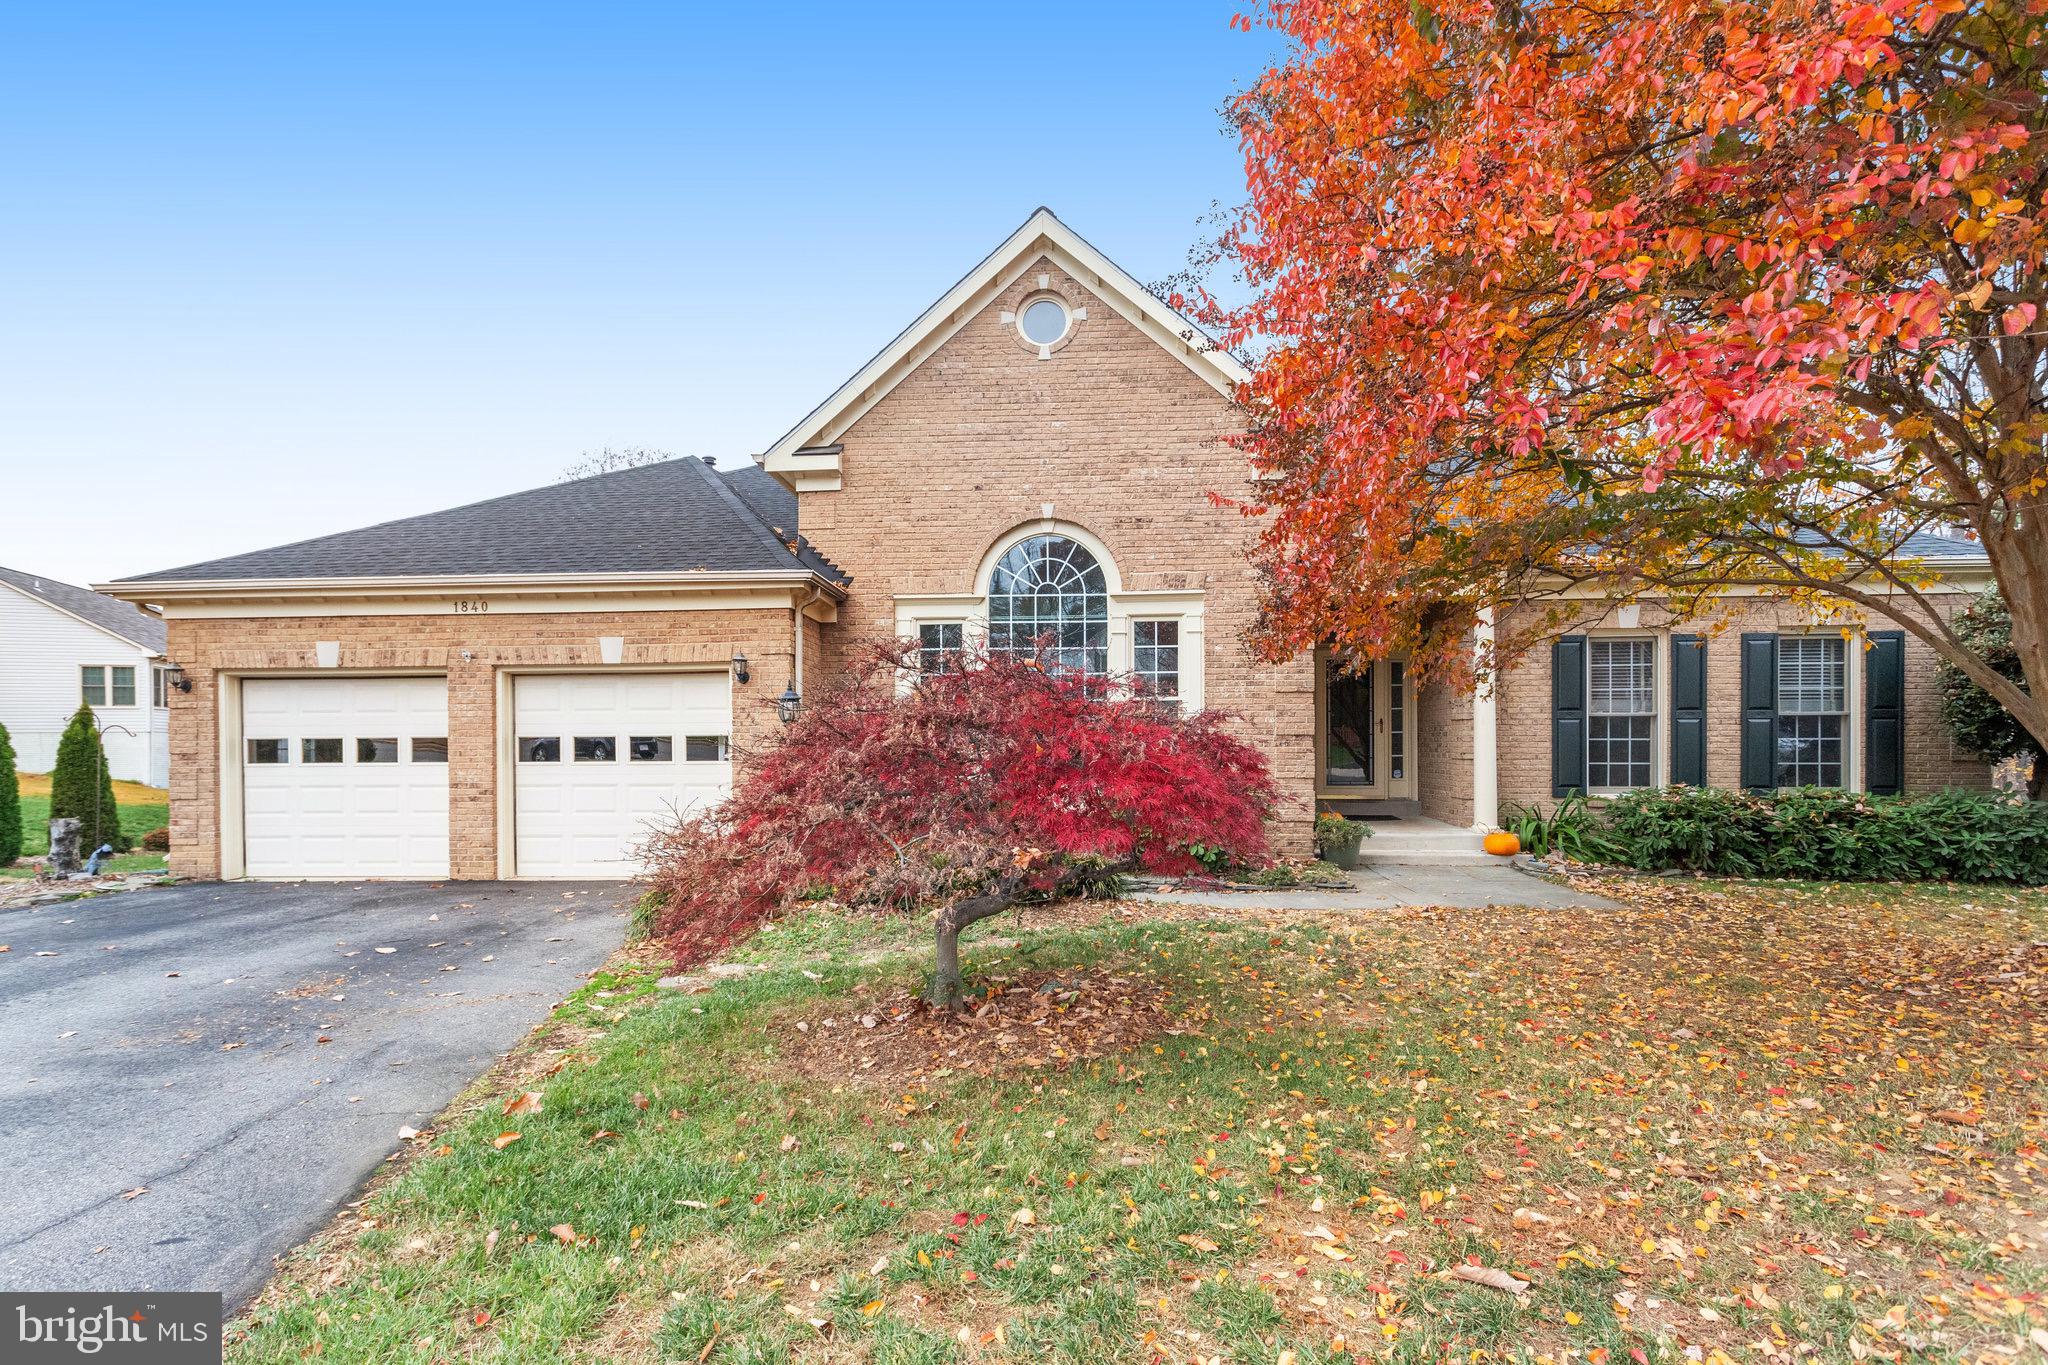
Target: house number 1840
466,606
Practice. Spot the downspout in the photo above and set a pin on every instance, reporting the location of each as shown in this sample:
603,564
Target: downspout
797,636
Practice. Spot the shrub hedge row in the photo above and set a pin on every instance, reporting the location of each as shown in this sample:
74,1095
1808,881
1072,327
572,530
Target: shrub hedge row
1825,835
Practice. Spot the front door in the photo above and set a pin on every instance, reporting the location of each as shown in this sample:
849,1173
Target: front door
1362,731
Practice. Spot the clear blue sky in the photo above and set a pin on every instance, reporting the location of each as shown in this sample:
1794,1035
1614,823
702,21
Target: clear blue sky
269,271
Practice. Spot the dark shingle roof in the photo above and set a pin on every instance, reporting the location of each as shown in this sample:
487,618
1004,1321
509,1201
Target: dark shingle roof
677,516
111,614
1928,546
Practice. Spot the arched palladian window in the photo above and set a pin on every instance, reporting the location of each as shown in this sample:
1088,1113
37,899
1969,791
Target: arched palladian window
1050,586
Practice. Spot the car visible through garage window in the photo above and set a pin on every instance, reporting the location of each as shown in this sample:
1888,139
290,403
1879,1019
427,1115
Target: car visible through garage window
270,751
377,750
540,749
652,748
704,748
430,750
320,751
596,748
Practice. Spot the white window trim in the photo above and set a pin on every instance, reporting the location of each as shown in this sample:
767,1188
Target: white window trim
107,687
1855,650
970,611
1660,698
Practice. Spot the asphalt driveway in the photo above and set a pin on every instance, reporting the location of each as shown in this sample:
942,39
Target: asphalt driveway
245,1054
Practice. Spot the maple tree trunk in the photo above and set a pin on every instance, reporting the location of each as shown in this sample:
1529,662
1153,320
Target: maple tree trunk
947,987
2019,561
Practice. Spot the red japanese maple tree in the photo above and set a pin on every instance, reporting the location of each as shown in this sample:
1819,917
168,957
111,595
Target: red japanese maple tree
961,792
1669,296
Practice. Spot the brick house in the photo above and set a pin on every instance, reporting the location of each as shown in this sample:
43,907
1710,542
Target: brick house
516,688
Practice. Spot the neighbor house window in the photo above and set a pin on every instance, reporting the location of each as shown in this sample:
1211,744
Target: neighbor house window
1813,706
1048,591
159,687
1155,658
123,686
1621,713
938,646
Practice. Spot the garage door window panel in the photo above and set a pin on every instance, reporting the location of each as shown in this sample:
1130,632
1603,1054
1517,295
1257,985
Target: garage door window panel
596,748
706,749
376,751
652,749
433,750
540,749
270,751
320,750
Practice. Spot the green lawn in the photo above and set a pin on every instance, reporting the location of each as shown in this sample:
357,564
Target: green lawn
1750,1122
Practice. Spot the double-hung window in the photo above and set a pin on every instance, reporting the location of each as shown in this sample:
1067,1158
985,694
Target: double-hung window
1621,714
1813,707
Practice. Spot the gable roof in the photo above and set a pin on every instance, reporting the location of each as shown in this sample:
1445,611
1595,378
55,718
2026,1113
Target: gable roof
677,516
1041,235
110,614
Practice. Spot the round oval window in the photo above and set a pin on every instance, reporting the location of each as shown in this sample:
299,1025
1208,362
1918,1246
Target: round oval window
1044,322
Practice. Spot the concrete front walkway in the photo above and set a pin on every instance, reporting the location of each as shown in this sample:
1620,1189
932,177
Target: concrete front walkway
1389,886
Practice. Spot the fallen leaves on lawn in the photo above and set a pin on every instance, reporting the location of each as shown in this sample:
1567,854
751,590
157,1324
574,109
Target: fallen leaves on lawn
1032,1021
504,1140
1492,1278
525,1102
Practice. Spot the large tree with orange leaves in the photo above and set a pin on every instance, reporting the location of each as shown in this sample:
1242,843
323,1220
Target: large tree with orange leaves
1669,296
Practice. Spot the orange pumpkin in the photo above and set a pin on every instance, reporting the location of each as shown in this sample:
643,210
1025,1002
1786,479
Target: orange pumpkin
1503,843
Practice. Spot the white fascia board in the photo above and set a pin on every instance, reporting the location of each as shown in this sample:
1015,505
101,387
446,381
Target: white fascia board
194,590
1041,235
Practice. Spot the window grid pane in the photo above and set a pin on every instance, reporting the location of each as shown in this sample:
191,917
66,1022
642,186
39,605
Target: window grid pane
1050,588
1155,657
1809,751
937,645
1621,719
1812,675
124,686
92,685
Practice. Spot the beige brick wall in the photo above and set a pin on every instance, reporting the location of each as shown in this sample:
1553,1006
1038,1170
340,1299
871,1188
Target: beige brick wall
1120,438
1931,760
208,648
1443,753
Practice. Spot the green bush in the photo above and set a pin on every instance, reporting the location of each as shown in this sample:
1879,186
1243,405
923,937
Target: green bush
10,802
1573,829
81,789
1820,834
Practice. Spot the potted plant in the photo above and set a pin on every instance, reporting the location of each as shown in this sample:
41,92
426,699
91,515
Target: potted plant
1337,838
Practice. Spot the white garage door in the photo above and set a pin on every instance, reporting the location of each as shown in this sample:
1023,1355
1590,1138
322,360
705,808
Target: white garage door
602,758
345,777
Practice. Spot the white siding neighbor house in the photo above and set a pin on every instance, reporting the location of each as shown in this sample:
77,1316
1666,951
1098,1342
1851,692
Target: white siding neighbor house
60,645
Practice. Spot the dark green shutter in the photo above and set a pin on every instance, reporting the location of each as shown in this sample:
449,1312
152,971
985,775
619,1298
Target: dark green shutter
1884,701
1568,715
1689,710
1760,712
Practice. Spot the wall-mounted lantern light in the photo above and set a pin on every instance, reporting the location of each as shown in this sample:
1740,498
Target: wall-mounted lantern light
739,668
787,705
175,676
